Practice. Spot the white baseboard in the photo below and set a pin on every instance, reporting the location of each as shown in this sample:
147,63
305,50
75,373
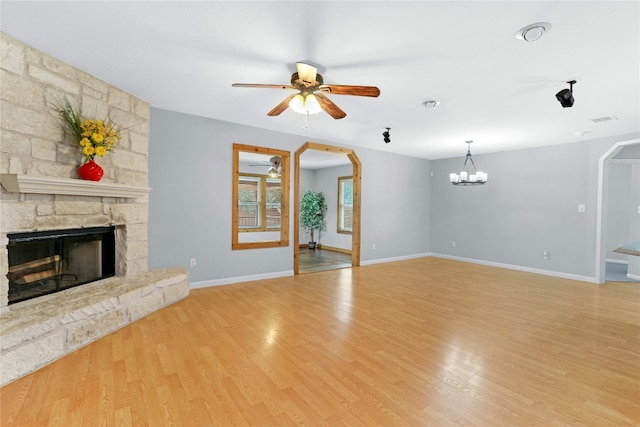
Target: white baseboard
230,280
633,276
238,279
617,261
392,259
520,268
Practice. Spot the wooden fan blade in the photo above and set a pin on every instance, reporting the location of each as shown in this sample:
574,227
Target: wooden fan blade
282,106
262,86
328,106
351,90
307,73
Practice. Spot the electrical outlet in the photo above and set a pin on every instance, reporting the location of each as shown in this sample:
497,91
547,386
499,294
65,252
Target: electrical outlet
453,244
193,262
581,208
373,246
546,255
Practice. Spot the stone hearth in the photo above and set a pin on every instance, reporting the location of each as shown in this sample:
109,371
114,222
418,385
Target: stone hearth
39,331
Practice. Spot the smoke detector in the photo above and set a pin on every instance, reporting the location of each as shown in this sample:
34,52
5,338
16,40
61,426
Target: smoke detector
429,105
533,32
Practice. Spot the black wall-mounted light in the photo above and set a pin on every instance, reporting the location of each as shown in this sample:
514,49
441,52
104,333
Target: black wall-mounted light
387,136
565,96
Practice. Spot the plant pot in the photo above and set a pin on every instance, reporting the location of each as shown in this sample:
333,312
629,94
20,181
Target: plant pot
91,171
312,245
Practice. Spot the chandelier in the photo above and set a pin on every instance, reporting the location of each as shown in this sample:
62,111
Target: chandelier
465,177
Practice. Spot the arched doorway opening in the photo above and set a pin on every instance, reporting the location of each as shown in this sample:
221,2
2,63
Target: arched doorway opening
602,213
356,172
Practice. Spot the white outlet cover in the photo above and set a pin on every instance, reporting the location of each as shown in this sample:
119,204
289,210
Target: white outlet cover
581,208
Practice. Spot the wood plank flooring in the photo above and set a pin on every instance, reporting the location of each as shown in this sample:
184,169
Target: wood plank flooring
423,342
310,261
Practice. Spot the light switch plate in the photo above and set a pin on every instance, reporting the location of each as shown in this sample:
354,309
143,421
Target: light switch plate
581,208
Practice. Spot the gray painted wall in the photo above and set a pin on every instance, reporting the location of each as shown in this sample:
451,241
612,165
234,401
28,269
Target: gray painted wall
529,205
190,161
622,205
307,182
326,181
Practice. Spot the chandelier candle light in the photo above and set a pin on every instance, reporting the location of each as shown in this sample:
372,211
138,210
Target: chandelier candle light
465,177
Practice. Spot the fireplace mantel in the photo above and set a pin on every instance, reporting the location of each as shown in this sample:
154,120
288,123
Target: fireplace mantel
16,183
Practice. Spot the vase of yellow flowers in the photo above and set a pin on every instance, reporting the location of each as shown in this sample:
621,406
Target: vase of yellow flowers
95,137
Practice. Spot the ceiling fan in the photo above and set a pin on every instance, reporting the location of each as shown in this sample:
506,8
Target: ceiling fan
275,166
311,96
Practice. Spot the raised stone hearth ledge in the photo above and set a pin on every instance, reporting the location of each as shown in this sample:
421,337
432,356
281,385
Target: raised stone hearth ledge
36,332
16,183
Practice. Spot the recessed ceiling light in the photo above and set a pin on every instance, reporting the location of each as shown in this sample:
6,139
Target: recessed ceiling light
533,32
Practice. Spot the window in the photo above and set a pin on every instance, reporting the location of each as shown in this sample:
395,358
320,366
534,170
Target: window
259,199
345,204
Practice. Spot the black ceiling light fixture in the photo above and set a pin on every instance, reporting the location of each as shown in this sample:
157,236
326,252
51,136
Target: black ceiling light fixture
565,96
387,136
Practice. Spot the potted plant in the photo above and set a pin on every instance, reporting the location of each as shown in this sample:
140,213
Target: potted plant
313,207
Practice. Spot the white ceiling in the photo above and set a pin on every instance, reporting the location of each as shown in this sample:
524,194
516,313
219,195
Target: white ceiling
494,89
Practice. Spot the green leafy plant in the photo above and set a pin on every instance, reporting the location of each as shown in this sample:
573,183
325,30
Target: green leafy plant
313,208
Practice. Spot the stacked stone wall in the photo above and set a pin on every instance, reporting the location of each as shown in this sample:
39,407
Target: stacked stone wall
32,142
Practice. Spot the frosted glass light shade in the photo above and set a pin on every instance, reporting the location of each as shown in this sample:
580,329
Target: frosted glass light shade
302,105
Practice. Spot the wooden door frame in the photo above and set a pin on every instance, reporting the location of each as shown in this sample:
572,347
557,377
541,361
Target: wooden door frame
357,178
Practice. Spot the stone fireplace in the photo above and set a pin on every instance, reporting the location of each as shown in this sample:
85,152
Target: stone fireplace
42,194
46,262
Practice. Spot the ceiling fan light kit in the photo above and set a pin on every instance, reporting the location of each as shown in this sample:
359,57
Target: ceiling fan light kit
273,172
305,104
465,177
311,97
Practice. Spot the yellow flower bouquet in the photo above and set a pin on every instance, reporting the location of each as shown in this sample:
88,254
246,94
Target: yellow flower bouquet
96,137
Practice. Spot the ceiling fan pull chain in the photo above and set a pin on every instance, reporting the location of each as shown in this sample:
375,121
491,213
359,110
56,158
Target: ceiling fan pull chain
306,121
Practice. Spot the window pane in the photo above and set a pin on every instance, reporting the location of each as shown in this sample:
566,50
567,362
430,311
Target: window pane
347,191
273,196
248,189
347,218
345,204
248,216
248,202
273,215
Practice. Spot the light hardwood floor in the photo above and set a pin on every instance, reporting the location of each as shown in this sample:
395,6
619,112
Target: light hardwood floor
424,342
313,260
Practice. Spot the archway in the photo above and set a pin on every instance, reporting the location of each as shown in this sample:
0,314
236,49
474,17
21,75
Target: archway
357,167
601,210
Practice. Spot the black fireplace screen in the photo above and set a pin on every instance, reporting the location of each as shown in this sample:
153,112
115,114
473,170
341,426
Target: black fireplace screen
45,262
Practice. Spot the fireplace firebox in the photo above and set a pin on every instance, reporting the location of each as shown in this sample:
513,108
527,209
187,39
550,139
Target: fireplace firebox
45,262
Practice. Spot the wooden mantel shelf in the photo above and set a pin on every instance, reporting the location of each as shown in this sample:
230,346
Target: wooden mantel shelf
16,183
